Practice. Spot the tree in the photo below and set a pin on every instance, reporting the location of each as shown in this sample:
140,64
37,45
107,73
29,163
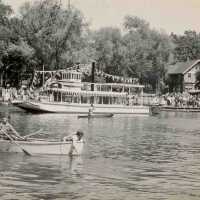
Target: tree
5,34
109,50
17,60
147,51
187,46
56,35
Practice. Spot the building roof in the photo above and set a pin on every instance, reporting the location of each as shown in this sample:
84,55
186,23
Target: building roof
182,67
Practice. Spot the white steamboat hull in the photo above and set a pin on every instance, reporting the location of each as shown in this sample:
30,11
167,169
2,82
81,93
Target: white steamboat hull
81,108
42,147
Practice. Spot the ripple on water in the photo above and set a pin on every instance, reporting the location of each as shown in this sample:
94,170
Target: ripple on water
125,157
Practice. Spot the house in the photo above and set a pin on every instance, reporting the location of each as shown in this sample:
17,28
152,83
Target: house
184,76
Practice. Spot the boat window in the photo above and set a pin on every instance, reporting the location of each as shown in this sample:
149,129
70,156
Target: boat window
100,100
67,98
83,99
105,100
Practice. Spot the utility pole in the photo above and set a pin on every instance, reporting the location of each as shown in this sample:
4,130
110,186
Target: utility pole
43,75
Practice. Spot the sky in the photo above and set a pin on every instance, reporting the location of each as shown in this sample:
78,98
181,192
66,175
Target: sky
169,15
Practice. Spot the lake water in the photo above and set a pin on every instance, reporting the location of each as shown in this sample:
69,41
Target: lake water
125,158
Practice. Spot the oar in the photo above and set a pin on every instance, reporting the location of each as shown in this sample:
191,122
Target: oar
11,139
31,134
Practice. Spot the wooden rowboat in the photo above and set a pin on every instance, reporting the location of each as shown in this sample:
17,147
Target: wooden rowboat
36,146
155,110
95,116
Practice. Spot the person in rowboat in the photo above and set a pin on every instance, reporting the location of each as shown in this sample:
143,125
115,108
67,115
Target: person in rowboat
90,112
7,128
78,136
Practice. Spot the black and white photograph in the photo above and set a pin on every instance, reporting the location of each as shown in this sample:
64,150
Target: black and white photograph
99,100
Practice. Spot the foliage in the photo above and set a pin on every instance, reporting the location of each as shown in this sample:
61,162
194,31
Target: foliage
187,46
55,34
47,34
17,60
147,51
5,12
109,50
141,52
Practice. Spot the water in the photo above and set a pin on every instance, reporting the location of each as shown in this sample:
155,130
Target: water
125,157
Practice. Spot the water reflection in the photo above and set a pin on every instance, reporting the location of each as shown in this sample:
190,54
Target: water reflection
38,174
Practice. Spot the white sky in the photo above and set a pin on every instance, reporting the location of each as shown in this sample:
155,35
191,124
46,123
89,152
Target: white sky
169,15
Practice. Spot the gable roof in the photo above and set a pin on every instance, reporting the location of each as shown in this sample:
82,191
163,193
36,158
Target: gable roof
182,67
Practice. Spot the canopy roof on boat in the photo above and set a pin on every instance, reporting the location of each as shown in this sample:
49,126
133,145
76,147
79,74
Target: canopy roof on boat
116,85
90,93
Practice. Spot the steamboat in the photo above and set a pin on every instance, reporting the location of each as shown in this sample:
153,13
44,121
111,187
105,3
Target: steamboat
69,94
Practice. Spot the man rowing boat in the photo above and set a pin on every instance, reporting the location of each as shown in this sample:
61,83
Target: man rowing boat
7,128
91,110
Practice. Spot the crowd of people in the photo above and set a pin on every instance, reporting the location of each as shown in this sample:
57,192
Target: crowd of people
9,94
180,100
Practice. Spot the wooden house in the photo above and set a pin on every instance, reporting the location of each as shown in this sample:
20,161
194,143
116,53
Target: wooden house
184,76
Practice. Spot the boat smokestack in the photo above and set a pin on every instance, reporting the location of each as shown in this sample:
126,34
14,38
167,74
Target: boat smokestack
93,76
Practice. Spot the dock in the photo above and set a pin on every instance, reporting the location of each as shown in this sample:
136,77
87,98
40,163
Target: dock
180,109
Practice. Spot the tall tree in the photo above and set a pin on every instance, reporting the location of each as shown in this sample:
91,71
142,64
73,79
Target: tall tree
17,61
109,50
55,34
5,34
147,51
187,46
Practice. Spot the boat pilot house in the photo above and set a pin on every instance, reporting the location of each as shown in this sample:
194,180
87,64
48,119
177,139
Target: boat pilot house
184,76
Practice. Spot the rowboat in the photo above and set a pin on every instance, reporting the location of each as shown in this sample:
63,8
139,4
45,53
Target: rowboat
155,109
40,146
96,116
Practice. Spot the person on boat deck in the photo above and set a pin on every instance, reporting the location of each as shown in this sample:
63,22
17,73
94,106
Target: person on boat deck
7,128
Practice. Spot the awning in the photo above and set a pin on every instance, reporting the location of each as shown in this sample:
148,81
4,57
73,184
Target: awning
115,85
90,93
